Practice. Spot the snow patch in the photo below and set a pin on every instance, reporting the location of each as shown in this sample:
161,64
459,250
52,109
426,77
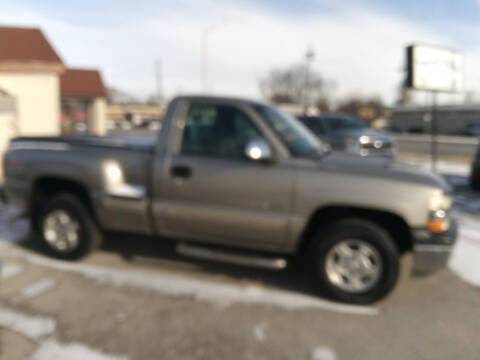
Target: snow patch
40,329
443,167
38,288
259,332
323,353
53,350
465,259
32,327
10,270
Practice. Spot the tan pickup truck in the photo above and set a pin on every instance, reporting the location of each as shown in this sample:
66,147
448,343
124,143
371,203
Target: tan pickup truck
237,180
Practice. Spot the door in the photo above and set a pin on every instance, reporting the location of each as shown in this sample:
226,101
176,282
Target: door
215,193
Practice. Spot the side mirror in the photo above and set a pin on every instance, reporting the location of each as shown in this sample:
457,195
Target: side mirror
258,150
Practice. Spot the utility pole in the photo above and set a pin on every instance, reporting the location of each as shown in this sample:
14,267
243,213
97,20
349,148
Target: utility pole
159,80
434,131
204,60
309,56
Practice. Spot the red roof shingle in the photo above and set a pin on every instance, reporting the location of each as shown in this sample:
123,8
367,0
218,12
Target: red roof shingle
26,45
82,83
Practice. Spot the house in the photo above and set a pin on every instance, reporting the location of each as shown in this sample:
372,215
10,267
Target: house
30,70
83,101
7,122
39,95
47,93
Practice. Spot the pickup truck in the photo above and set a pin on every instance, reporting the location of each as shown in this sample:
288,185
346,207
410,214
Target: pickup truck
237,180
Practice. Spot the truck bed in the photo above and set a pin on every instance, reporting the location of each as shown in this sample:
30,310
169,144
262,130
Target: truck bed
117,142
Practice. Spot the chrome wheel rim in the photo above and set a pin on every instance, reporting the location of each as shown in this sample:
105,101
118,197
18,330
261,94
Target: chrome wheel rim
354,266
61,231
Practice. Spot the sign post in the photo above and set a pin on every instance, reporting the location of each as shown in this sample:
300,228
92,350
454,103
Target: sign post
434,69
434,132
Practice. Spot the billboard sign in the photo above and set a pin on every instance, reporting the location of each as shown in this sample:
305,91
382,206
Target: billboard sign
434,68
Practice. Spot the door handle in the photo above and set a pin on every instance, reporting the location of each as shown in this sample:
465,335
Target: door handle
181,171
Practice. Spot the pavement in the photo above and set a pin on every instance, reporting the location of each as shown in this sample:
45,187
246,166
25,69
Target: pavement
136,299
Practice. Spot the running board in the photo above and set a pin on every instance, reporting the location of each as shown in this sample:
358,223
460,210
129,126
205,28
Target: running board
221,255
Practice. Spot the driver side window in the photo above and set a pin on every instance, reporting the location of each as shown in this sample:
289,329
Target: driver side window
217,131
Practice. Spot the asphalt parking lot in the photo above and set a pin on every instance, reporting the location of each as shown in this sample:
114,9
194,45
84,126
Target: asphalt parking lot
136,299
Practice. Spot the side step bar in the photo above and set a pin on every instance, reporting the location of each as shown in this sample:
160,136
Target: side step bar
221,255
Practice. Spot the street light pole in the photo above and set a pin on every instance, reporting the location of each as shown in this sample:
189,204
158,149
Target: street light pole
204,55
309,56
159,80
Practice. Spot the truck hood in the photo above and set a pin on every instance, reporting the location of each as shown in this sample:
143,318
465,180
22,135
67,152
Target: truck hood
382,168
368,132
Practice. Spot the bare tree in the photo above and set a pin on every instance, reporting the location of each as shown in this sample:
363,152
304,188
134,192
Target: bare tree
296,84
368,109
117,96
404,96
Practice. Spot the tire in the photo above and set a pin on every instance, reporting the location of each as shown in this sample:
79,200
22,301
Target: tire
87,236
356,234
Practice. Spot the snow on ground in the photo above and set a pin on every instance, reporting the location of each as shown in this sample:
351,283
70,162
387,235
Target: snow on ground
53,350
10,270
41,330
38,288
323,353
442,167
32,327
465,260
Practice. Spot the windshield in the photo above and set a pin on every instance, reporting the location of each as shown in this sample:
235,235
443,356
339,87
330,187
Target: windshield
342,123
296,137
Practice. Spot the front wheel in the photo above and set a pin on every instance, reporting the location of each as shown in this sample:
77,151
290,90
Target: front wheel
66,228
355,261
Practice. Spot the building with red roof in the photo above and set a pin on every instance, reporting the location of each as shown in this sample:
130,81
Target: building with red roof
49,97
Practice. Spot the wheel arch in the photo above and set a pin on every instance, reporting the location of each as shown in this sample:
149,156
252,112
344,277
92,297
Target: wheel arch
395,225
45,187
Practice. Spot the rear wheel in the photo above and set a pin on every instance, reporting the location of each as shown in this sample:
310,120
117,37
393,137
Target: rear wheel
354,261
66,228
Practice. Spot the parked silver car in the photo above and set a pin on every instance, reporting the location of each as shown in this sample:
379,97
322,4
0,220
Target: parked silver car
350,134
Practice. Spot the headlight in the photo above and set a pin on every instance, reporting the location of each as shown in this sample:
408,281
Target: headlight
364,139
438,220
440,201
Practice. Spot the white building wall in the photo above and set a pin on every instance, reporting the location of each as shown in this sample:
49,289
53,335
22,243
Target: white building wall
97,116
7,131
38,101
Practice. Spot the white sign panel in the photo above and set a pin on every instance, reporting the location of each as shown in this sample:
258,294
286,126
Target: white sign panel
434,68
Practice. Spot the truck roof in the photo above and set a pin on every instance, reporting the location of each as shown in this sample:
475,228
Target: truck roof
219,98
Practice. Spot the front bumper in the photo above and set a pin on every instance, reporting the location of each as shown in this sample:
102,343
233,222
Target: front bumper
432,251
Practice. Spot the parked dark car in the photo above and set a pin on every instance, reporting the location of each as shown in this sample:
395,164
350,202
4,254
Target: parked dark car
350,134
396,128
471,130
475,172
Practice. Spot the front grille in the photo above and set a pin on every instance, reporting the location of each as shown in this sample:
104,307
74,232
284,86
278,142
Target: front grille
376,145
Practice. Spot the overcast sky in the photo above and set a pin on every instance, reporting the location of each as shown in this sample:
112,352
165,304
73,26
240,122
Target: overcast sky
358,44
